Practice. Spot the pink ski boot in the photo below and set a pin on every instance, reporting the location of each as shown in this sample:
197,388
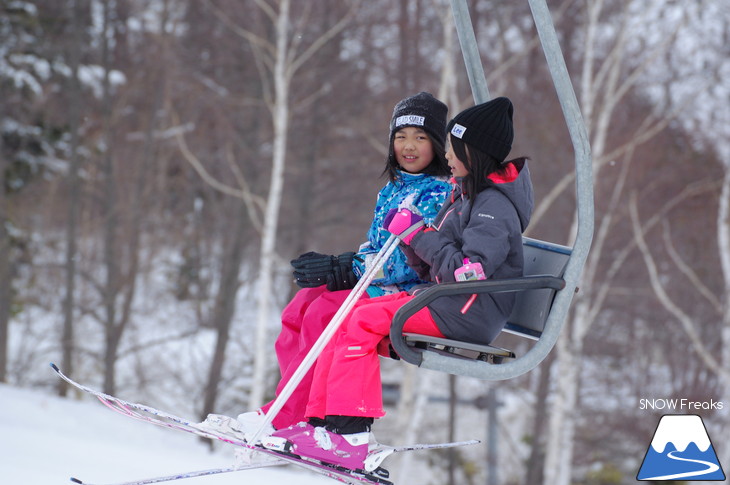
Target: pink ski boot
303,439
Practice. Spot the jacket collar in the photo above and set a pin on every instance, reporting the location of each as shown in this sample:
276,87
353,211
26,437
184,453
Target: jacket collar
408,178
510,175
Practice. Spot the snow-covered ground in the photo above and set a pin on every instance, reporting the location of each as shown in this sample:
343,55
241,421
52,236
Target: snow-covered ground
45,440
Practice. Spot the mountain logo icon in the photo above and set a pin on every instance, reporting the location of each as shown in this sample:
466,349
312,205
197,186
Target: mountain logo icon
681,450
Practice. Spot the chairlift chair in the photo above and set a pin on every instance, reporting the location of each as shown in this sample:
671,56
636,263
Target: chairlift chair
551,271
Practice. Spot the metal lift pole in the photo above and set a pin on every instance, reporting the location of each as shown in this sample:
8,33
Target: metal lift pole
470,51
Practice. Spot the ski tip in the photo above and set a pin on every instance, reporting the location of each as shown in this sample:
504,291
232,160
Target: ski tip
73,479
55,367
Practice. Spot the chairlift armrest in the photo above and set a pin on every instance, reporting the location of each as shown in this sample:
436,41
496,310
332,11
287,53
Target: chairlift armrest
426,296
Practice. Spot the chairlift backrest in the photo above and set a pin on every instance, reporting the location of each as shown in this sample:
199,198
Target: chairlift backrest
533,306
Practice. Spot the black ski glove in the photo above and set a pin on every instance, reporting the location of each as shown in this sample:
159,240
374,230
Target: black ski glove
312,269
342,277
315,269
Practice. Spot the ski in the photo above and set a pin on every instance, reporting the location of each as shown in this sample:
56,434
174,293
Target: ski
180,476
161,418
381,452
344,475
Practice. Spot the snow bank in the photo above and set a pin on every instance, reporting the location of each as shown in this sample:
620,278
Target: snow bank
45,440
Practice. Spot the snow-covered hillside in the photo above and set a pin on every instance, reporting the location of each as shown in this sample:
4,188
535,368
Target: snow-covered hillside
45,440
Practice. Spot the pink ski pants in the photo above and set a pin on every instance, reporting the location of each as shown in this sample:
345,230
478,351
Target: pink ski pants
302,322
347,374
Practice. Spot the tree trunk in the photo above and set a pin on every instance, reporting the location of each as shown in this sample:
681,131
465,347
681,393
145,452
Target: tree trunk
225,308
5,282
723,236
453,404
273,202
111,284
74,201
414,392
558,468
536,461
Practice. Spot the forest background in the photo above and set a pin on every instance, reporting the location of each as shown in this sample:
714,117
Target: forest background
162,161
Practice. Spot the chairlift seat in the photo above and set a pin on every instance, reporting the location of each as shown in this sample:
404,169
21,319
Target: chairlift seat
544,265
459,349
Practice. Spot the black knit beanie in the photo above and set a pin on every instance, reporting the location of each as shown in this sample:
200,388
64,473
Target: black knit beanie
422,111
486,127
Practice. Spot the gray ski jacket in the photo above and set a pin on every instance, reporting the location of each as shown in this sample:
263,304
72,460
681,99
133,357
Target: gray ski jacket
486,229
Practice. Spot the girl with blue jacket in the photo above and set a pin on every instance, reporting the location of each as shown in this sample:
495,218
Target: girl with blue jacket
417,173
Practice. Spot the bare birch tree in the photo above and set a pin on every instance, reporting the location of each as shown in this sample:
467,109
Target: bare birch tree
74,202
279,59
713,30
280,117
723,240
113,325
5,286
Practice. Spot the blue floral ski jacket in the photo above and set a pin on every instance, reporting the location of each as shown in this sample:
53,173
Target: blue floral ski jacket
424,193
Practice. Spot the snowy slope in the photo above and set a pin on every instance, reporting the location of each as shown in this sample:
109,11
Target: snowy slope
45,440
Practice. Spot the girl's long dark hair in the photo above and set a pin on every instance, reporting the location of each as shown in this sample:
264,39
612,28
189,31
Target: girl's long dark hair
439,166
480,166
